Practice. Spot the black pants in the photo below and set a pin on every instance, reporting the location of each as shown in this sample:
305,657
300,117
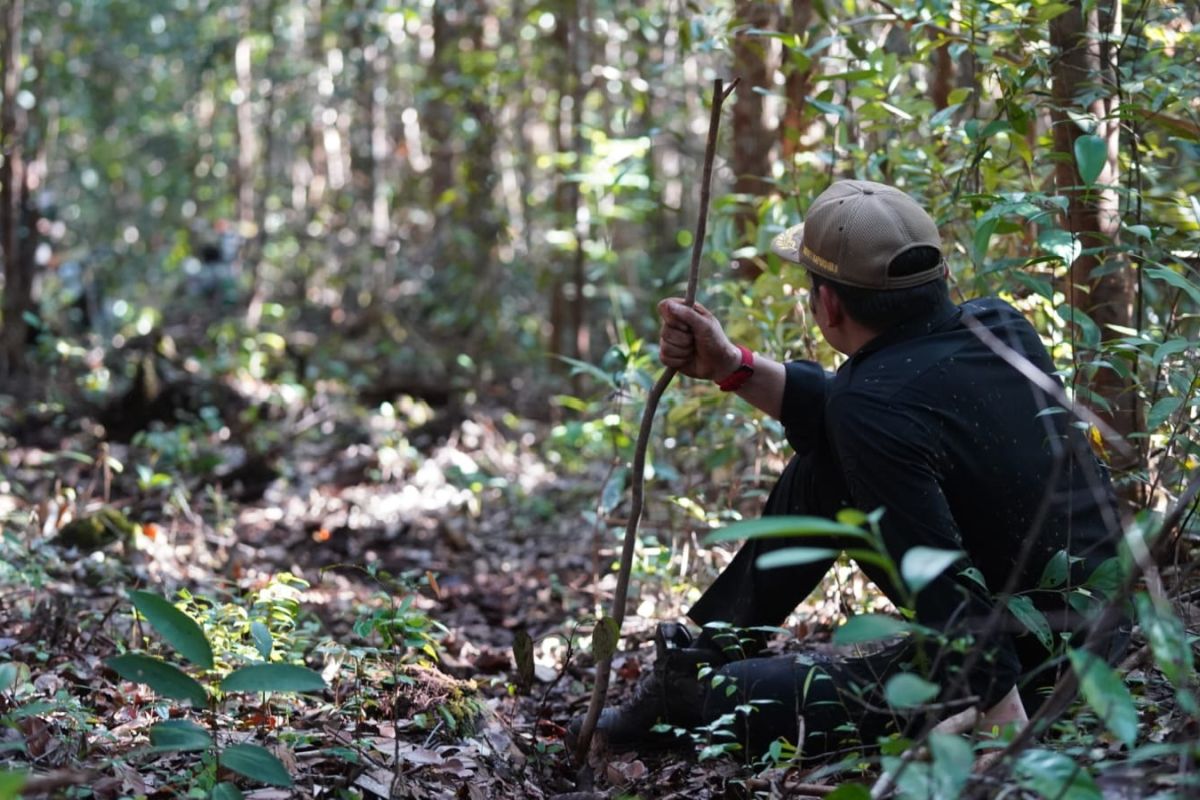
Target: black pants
829,704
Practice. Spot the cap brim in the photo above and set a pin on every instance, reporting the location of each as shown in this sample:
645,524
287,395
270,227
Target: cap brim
786,245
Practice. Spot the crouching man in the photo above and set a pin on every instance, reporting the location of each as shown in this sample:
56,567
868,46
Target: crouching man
923,420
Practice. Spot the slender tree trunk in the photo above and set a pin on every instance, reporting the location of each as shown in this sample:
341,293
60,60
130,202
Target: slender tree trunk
16,235
1086,69
247,152
797,84
752,139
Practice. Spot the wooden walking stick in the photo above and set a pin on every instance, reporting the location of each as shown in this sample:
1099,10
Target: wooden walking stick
609,630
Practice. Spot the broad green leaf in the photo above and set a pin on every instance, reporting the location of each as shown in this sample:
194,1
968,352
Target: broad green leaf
850,791
1170,348
1162,411
263,641
792,556
256,763
1091,154
226,791
180,630
1060,244
604,638
12,673
1055,776
782,526
1176,280
868,628
1107,695
167,680
1055,573
1168,640
921,565
273,678
825,107
613,491
983,236
179,734
908,691
1023,609
953,760
1107,577
11,784
523,657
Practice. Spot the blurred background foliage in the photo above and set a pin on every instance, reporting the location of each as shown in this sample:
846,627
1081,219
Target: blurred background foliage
486,198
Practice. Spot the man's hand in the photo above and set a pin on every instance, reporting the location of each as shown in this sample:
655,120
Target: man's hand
693,342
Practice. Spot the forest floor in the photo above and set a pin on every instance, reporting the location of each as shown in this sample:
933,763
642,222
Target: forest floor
365,537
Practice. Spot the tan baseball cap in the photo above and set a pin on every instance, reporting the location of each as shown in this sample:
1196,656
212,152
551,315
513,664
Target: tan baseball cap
853,231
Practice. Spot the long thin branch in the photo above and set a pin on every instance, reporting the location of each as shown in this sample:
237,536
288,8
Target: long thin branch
620,597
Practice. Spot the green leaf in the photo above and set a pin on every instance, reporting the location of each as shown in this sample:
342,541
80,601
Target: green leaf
11,784
264,643
179,734
1091,154
1107,577
167,680
226,791
792,556
11,674
1060,244
180,630
868,628
1107,695
604,638
782,526
523,656
1055,573
921,565
273,678
1176,280
1168,640
983,235
1055,776
953,760
825,107
850,791
1023,609
256,763
908,691
1162,411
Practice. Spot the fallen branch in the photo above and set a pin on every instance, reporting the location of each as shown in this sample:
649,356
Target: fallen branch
604,664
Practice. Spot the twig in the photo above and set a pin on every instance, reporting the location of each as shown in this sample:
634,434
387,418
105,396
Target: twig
600,689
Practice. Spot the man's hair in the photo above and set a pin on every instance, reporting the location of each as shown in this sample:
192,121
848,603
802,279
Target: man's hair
880,309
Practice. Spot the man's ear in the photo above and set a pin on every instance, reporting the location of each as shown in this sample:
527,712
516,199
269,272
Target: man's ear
831,305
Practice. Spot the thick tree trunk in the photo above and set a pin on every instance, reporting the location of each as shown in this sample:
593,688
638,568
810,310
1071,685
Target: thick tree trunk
752,138
797,83
16,224
1101,283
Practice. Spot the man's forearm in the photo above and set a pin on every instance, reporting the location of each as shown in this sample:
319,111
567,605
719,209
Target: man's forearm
764,389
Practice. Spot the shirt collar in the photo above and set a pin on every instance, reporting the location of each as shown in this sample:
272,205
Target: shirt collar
945,312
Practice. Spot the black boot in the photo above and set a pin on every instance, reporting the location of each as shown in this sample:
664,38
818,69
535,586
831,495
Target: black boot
671,694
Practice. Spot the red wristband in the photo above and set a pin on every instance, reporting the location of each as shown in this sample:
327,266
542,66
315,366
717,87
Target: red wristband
734,380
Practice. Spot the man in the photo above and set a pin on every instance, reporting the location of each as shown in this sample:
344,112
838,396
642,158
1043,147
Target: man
923,421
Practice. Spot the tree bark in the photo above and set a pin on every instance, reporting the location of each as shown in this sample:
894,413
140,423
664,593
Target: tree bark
752,138
1099,283
797,83
16,230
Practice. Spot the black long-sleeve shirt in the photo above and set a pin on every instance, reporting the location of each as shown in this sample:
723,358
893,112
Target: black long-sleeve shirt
962,453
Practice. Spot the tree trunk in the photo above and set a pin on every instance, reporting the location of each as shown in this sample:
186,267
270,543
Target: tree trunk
797,83
247,141
16,230
1086,68
752,139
